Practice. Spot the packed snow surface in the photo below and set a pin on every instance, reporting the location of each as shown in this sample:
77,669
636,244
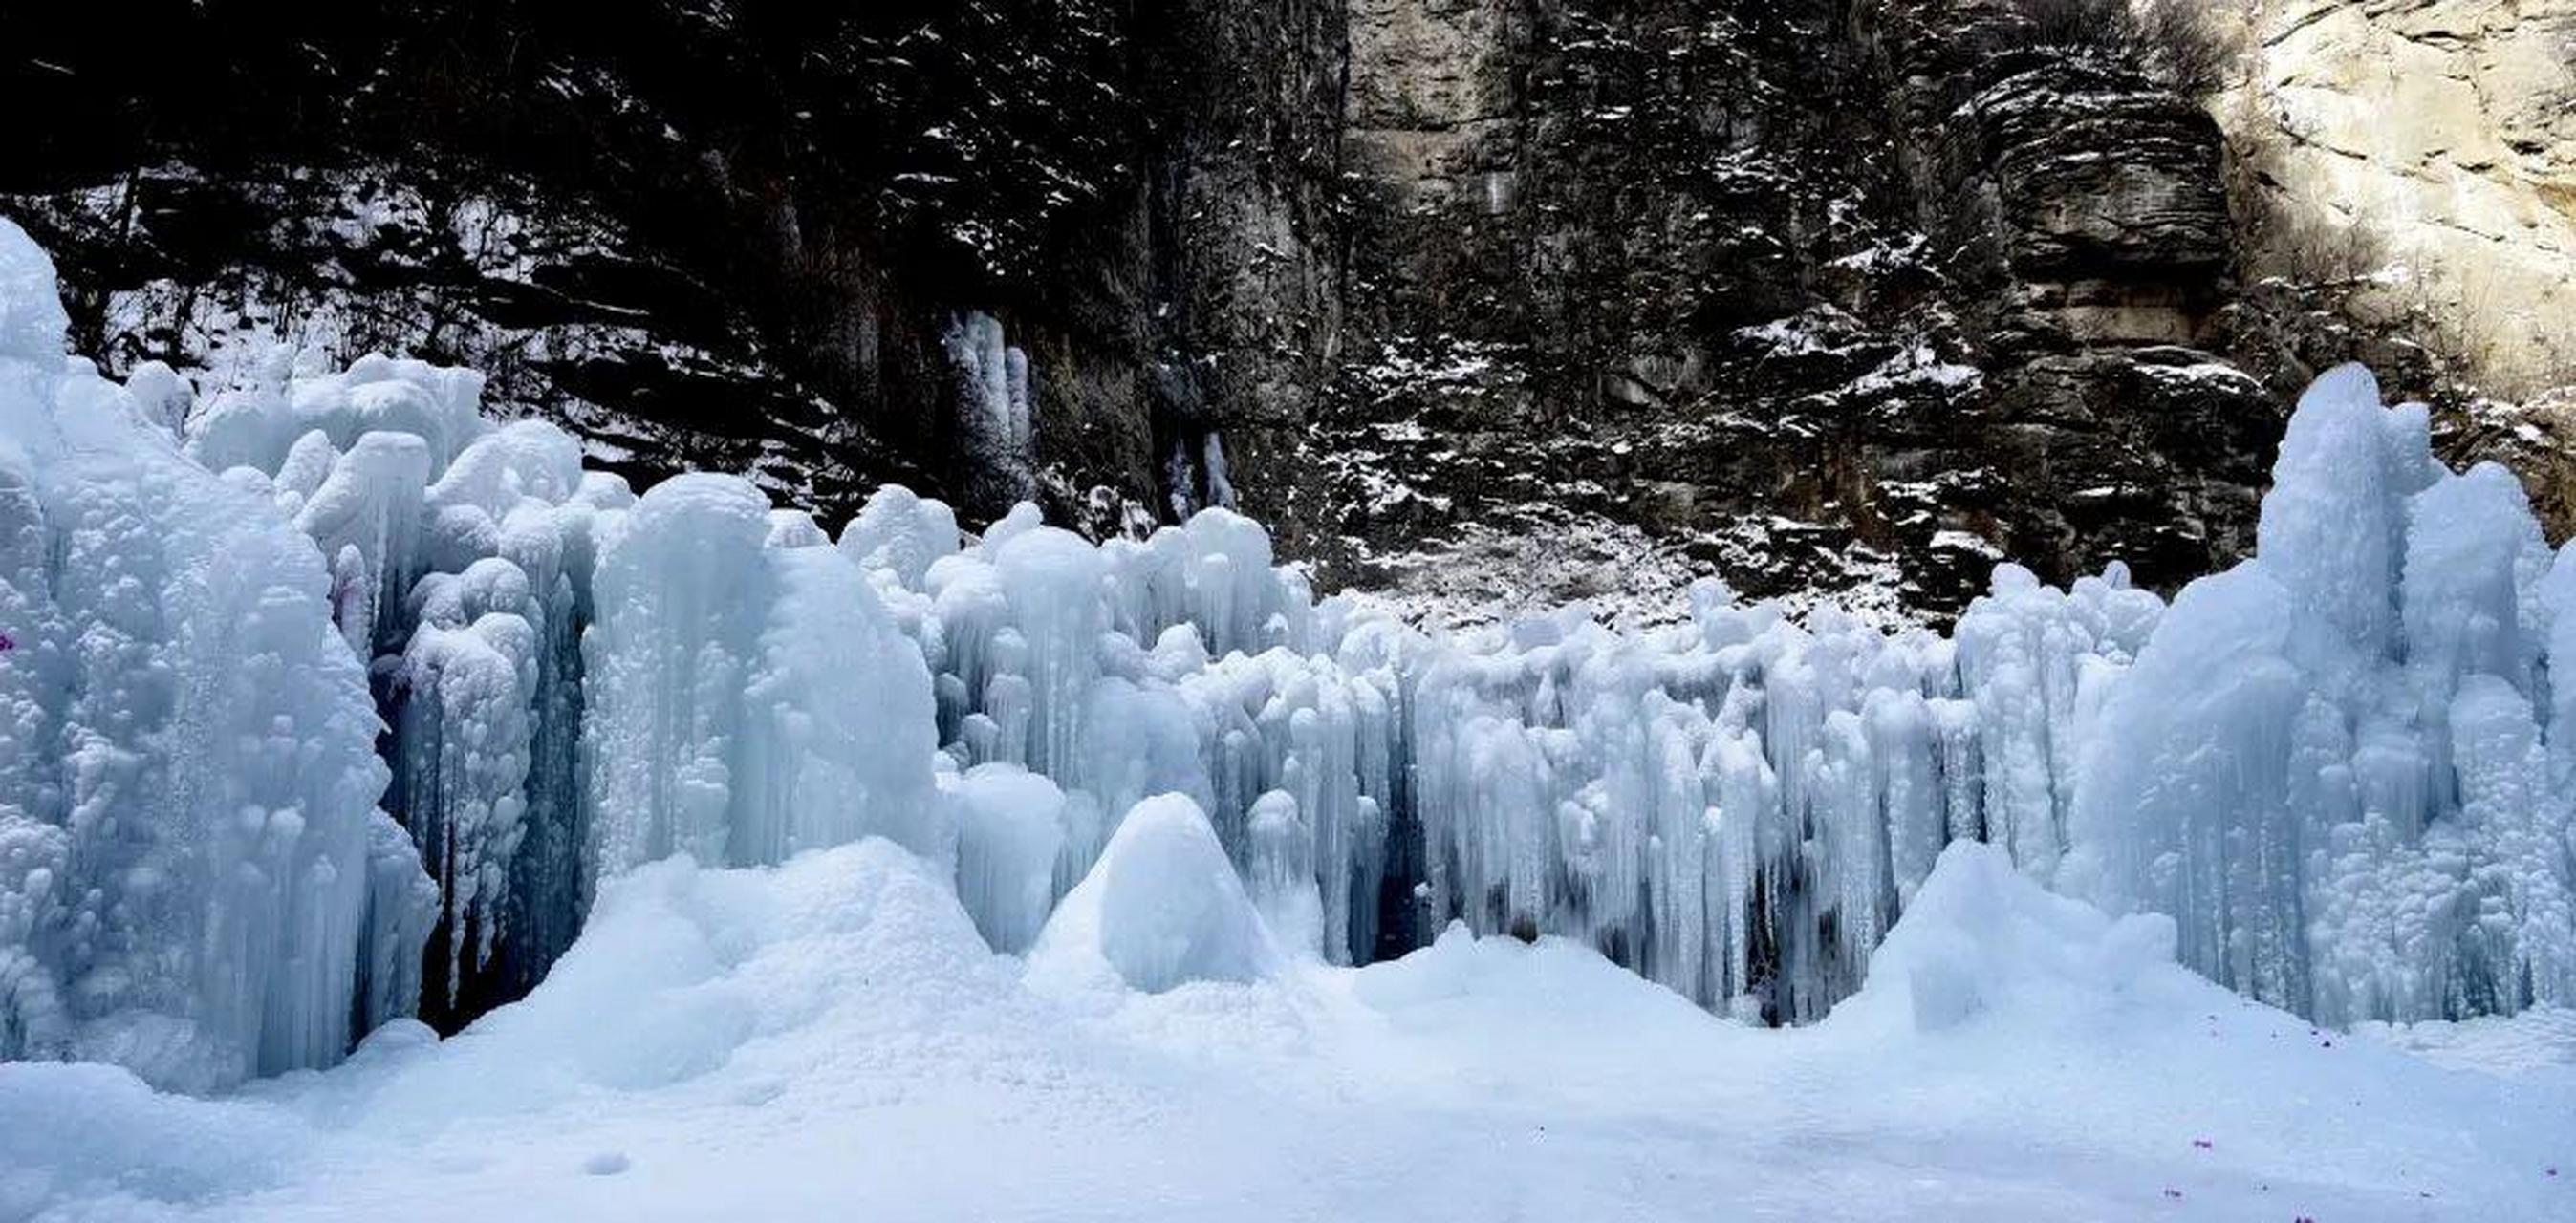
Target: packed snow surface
831,1039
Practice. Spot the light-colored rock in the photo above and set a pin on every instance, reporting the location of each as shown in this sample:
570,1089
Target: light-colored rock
2446,129
1420,95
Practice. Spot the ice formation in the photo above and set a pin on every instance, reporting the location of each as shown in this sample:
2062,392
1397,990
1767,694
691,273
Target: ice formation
992,393
1983,940
192,877
1161,908
2341,768
1010,830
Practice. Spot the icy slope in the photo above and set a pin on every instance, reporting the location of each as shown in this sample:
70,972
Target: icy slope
828,1039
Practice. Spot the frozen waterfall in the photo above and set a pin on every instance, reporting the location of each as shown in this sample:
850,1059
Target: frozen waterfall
2342,767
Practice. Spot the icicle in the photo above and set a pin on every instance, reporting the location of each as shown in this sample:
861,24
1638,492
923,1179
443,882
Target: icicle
992,381
1010,829
1280,872
680,594
462,769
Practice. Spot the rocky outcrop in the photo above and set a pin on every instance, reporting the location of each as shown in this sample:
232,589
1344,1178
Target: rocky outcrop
706,235
2089,246
1246,196
2429,145
1570,224
1823,298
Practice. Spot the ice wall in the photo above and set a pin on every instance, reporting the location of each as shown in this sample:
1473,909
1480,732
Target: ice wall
580,681
2342,767
1737,807
2339,767
460,553
195,879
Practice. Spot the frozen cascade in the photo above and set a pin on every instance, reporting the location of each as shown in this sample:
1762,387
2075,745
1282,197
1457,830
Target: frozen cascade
1220,482
678,597
841,728
2331,764
2341,767
1010,829
992,399
746,703
432,518
1740,806
1048,658
365,517
1280,869
193,880
461,769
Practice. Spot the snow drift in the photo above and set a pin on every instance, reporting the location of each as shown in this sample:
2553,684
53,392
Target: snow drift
1982,941
831,1038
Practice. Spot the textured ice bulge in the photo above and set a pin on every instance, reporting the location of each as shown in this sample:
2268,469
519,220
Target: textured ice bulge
192,881
2331,765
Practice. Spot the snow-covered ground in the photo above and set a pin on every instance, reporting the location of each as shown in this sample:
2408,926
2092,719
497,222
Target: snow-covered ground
831,1040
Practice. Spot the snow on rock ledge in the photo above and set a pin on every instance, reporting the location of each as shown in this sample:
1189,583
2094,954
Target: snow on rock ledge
1161,908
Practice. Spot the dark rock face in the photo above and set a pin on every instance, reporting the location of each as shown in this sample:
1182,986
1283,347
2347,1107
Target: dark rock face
1842,298
1476,299
705,234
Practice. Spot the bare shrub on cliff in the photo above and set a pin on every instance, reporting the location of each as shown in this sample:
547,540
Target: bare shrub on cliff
2104,25
2185,44
2311,249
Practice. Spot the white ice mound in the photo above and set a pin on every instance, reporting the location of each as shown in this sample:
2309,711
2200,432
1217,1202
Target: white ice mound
1982,940
32,321
760,975
1161,907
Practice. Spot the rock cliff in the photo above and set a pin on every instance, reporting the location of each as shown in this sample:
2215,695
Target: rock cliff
2431,143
